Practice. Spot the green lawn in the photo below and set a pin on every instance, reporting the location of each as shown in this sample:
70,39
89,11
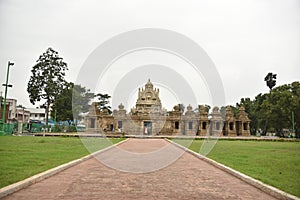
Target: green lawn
22,157
274,163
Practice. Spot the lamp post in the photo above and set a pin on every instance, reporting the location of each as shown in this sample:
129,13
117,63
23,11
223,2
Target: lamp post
23,112
5,93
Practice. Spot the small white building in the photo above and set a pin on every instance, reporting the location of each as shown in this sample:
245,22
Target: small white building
37,113
23,115
15,113
12,109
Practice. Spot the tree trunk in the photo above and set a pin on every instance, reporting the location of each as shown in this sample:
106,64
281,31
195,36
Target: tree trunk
47,110
265,128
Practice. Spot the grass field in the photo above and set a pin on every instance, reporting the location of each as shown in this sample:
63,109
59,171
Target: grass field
274,163
22,157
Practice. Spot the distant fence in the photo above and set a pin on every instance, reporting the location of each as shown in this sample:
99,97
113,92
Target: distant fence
37,128
11,128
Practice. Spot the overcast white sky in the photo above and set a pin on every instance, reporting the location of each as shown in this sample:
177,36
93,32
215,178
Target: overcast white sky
245,39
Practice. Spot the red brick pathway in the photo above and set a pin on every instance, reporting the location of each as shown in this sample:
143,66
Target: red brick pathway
186,178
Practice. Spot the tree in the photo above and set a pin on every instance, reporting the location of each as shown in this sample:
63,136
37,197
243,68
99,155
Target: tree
223,111
258,114
62,105
103,102
271,80
81,98
273,110
47,79
280,104
207,108
73,100
181,107
295,103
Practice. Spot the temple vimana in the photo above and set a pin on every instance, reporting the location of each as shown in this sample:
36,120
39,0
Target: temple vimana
148,117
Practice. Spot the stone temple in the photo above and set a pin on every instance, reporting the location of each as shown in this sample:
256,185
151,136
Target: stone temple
148,117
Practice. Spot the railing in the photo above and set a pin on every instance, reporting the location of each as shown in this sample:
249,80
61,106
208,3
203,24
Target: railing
11,128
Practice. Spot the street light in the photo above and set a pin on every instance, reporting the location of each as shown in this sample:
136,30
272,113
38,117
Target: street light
5,93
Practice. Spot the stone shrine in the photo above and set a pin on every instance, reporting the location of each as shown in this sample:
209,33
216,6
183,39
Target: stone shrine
148,117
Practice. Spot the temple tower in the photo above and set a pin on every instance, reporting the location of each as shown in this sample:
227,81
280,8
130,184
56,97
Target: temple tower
216,122
191,122
243,123
229,128
204,122
148,100
148,115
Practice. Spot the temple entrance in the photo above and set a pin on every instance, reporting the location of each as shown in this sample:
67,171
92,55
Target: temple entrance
92,125
237,128
147,128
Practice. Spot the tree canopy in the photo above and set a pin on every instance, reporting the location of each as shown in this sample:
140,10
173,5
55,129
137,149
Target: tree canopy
81,97
103,102
73,100
47,79
273,111
271,80
61,109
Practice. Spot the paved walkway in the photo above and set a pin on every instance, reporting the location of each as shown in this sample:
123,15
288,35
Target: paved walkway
186,178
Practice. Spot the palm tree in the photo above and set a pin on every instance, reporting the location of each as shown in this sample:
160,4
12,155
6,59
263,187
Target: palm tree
271,80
